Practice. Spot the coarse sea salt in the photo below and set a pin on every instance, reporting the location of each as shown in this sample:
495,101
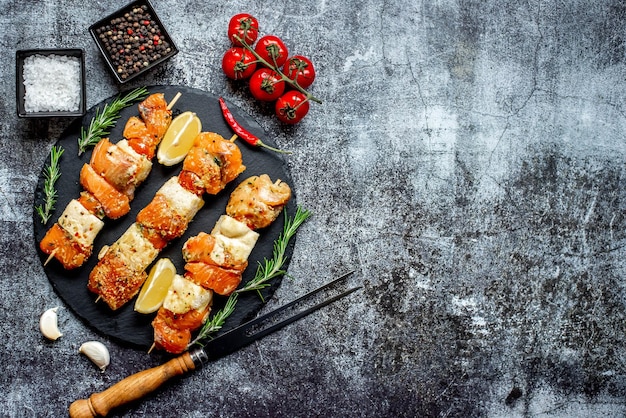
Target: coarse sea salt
52,83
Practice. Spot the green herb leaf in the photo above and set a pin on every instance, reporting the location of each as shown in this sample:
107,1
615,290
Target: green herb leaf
266,271
217,321
271,268
51,175
106,118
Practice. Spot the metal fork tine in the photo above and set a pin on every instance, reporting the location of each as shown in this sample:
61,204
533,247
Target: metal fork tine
253,330
301,314
300,299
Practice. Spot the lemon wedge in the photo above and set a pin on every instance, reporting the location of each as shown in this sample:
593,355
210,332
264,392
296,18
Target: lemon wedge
178,138
155,288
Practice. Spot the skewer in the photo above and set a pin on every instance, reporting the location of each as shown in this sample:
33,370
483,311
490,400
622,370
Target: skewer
98,299
174,100
50,257
152,347
169,107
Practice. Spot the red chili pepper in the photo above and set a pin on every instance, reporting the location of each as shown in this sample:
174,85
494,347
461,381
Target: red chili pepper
242,132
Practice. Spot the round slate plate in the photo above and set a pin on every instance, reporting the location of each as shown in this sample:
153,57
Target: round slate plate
125,325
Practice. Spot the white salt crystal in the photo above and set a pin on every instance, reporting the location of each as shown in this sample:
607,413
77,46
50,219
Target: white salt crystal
52,83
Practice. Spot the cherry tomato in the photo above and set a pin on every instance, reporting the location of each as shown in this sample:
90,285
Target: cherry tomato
292,107
244,26
238,63
301,70
266,85
272,49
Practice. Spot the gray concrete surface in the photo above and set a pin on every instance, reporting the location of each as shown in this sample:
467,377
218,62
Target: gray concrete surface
468,162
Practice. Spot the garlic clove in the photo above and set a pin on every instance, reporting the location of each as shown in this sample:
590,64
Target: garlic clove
97,353
48,324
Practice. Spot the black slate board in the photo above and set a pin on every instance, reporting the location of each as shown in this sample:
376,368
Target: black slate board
125,325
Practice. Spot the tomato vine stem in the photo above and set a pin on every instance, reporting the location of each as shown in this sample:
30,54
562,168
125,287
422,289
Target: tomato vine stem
275,68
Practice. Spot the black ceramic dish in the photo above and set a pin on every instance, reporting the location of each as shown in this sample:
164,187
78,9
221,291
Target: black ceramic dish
123,73
21,55
125,325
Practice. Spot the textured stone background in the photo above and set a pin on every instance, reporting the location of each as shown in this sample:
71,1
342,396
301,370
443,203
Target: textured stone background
468,162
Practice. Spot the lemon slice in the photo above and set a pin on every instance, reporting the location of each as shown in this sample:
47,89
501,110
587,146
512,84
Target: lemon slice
178,138
155,288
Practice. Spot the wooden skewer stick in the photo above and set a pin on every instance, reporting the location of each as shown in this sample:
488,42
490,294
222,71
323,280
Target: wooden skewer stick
50,257
169,107
174,100
152,347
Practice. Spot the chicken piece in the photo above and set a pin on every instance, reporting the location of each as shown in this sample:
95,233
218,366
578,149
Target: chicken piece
214,160
257,201
114,203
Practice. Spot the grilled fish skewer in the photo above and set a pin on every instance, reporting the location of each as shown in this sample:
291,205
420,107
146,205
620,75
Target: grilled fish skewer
209,166
215,262
109,182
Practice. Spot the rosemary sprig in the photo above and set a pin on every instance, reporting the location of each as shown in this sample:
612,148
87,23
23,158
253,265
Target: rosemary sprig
106,117
51,175
264,273
217,321
269,269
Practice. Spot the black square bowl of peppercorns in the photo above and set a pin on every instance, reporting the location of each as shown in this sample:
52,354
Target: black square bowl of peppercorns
133,40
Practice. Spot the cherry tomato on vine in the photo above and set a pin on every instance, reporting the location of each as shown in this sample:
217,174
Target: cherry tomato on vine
300,69
238,63
245,26
272,49
291,107
266,85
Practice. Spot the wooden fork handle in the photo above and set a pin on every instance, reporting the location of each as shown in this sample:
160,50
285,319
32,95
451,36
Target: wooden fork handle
132,388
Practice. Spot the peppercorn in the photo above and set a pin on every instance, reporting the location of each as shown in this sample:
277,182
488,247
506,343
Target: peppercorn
133,41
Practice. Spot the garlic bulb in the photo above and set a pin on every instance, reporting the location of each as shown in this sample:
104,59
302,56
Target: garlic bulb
48,324
97,353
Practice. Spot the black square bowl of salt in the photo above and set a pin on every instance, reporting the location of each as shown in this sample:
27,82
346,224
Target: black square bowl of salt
133,40
50,83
